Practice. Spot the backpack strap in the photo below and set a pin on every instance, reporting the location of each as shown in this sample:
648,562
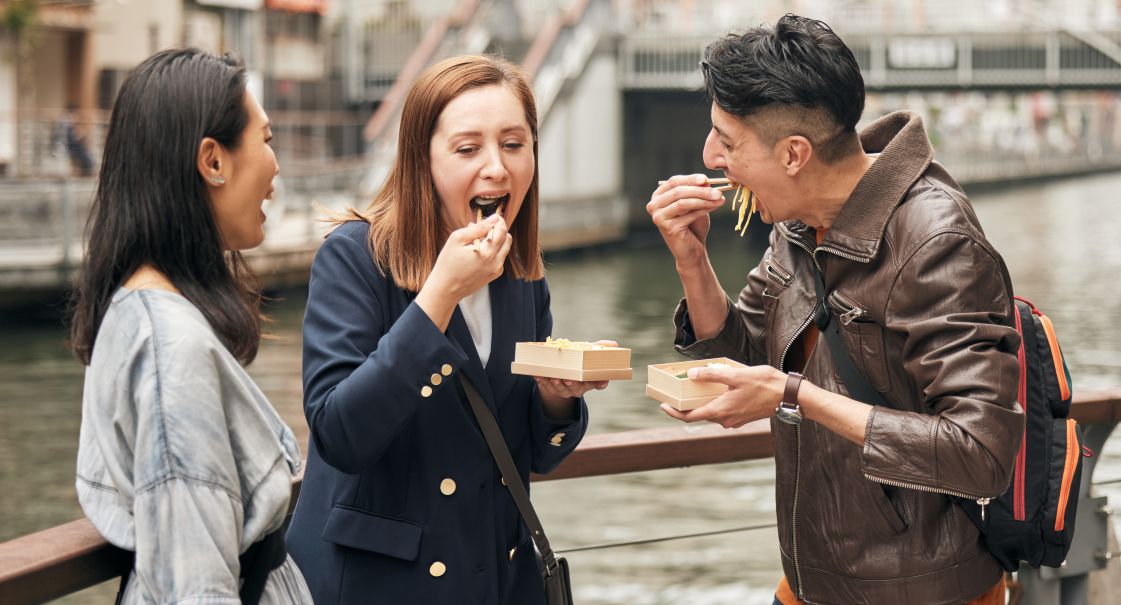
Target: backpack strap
855,382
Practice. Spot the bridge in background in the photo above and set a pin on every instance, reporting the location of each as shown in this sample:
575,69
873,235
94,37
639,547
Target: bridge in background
1055,59
619,109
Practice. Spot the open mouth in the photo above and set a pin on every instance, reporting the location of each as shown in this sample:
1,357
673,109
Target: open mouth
485,205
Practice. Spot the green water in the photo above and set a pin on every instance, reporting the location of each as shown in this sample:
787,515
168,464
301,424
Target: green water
1059,240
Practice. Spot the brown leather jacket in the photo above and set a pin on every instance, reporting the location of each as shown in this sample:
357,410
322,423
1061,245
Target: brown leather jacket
924,301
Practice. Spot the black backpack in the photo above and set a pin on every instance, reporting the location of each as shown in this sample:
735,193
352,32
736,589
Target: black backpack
1033,520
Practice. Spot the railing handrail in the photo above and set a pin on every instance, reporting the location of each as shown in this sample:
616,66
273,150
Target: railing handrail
62,560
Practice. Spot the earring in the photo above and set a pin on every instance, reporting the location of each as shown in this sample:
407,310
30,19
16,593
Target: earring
217,180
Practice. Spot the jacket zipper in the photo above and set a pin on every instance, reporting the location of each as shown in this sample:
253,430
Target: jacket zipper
798,437
776,272
840,254
1068,473
1018,509
1056,354
797,480
850,312
922,488
797,458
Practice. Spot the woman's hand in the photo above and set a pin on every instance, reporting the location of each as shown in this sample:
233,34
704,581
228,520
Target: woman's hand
472,257
559,396
556,388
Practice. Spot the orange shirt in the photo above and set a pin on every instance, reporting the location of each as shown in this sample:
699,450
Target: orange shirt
994,596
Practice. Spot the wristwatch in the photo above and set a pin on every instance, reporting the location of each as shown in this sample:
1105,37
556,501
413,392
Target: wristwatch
788,409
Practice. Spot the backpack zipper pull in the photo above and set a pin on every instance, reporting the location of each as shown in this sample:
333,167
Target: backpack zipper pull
983,502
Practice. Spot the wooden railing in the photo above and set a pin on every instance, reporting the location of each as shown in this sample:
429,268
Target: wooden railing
62,560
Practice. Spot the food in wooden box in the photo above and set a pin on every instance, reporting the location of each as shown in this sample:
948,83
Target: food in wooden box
571,360
670,382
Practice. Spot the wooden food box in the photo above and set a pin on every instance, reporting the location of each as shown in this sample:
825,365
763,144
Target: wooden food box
667,383
571,361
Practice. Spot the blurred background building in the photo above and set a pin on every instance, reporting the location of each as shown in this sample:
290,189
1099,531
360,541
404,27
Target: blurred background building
1009,89
327,65
1011,92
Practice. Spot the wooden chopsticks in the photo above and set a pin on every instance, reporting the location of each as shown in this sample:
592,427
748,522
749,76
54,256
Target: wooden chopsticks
479,218
720,184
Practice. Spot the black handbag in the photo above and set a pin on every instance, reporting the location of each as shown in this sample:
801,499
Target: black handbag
554,570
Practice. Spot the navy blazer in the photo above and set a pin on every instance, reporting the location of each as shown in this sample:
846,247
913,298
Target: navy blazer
401,500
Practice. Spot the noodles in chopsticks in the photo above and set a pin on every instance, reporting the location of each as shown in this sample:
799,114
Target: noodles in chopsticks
745,199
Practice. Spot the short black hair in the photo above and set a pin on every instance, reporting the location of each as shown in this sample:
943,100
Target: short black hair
797,77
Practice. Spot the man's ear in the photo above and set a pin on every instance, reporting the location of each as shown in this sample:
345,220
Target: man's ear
212,160
796,151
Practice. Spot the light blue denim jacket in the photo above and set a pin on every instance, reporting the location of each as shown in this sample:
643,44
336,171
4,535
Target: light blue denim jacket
182,459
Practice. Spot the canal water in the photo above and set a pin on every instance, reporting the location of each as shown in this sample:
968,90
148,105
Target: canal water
1060,240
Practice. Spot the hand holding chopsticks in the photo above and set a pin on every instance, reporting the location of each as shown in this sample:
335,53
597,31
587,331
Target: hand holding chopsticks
478,219
468,261
744,198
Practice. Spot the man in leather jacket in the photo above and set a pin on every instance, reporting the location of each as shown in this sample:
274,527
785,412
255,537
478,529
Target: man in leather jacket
865,513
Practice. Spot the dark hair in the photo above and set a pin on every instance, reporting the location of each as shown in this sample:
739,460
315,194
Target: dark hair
795,78
152,206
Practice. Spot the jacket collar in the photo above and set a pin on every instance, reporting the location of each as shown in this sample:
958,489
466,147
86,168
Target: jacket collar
905,154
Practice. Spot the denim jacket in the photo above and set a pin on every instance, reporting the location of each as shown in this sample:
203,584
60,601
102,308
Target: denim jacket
182,459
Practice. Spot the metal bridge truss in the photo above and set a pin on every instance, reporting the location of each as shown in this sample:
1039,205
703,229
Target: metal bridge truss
1061,58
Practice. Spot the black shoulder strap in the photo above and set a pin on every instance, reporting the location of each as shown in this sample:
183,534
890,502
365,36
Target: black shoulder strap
501,454
855,382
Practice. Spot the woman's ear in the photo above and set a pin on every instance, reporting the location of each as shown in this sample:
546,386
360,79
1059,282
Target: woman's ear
211,161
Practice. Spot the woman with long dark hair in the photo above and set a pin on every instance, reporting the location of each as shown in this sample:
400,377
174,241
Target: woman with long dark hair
402,501
182,459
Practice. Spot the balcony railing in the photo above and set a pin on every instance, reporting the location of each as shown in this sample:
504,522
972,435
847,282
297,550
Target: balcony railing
62,560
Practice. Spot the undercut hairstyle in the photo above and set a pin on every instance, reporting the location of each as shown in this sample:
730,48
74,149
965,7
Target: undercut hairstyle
151,206
406,228
796,78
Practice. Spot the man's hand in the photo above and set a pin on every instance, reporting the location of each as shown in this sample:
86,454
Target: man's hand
753,393
680,209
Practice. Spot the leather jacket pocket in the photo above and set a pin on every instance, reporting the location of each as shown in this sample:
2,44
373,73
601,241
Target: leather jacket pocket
892,515
779,279
397,538
864,340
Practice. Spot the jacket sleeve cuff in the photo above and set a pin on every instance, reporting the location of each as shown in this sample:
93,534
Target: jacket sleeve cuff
892,433
554,440
727,343
419,352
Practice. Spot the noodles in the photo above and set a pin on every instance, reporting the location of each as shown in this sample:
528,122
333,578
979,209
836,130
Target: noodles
745,198
564,343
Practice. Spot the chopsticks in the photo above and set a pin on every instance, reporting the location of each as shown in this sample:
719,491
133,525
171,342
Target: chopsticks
720,184
479,219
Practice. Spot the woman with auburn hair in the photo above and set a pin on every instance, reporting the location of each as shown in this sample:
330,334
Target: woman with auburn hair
182,459
402,501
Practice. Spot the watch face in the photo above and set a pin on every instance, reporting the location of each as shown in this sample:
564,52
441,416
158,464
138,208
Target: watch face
789,415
